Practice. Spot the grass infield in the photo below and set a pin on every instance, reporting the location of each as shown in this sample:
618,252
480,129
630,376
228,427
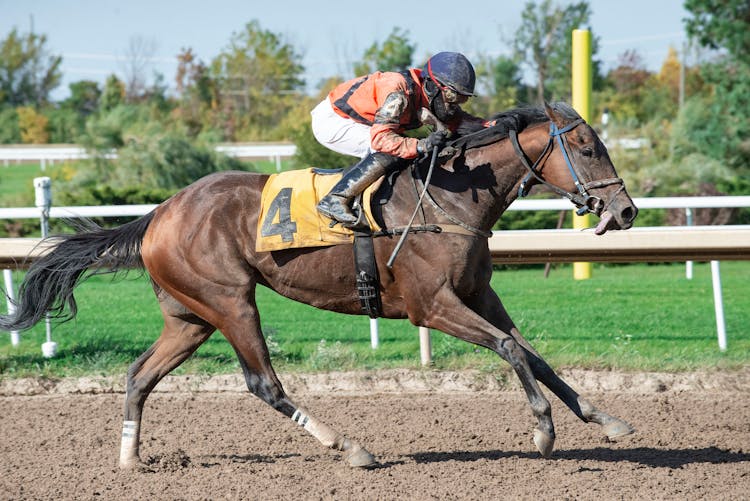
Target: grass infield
626,317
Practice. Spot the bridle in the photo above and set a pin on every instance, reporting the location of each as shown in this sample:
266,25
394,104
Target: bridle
583,199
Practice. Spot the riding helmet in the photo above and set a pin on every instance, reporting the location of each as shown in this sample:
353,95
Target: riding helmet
453,70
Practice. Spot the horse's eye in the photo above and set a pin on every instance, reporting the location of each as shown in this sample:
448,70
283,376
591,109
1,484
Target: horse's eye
587,152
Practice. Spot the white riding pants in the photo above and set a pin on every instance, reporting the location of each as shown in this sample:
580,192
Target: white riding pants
342,135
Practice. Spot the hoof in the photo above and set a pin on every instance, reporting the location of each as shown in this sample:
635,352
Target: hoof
360,458
617,428
134,464
544,443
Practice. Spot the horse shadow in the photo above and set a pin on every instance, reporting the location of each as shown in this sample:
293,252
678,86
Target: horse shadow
211,460
645,456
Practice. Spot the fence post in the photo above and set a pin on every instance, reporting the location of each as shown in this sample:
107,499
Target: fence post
689,264
10,296
374,338
582,75
425,346
43,202
721,330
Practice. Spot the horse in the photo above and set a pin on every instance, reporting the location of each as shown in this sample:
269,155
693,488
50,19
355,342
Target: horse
198,248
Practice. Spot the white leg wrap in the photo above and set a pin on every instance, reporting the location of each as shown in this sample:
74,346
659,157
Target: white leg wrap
324,433
129,443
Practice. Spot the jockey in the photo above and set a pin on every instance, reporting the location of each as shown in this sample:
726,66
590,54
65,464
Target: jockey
367,117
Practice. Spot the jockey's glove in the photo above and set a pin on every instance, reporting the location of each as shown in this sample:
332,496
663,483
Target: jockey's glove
435,139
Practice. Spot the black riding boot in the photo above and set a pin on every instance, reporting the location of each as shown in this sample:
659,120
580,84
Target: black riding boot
337,203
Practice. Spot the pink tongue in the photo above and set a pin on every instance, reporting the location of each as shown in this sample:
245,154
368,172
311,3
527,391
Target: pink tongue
601,228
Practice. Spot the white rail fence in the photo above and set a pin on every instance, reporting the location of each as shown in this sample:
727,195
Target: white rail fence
45,154
704,243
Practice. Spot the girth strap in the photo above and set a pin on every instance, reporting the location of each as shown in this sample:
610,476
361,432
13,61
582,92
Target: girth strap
368,288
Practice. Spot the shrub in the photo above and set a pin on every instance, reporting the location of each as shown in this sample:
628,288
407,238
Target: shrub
10,132
33,125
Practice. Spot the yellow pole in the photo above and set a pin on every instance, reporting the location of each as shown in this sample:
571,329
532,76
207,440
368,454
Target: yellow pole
581,83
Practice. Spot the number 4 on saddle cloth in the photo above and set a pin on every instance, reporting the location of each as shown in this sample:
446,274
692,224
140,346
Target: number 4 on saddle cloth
288,217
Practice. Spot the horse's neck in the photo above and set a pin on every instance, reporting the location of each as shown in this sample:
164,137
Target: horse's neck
476,187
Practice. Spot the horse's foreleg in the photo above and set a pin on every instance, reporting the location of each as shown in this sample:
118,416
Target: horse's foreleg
179,339
450,315
262,381
490,307
613,427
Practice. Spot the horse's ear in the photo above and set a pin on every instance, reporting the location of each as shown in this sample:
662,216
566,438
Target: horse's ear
552,114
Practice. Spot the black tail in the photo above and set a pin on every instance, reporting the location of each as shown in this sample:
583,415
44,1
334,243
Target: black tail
49,283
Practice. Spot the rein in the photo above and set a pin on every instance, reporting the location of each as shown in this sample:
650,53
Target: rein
458,227
583,200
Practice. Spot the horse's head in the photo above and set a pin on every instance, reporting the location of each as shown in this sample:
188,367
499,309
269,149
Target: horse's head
576,165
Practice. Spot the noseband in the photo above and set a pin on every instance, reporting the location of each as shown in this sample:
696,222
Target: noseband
583,200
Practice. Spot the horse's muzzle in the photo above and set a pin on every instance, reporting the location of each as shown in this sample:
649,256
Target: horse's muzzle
614,219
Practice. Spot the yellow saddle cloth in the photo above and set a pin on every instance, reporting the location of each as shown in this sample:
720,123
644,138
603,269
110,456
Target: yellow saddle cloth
288,217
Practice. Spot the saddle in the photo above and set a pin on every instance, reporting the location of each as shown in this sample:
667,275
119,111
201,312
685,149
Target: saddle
288,219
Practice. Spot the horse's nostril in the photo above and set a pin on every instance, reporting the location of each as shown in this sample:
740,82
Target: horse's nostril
629,213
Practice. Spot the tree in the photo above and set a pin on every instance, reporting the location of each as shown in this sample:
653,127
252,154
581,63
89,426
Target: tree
9,130
135,66
84,97
27,72
724,25
721,24
258,77
669,74
33,125
499,85
113,94
395,54
543,42
196,90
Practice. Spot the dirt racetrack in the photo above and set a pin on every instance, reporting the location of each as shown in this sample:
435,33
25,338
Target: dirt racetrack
449,441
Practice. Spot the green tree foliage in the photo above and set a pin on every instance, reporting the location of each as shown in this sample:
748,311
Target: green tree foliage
721,24
10,132
543,42
715,123
636,96
33,125
27,72
628,83
67,121
499,85
259,79
153,162
196,92
394,54
65,125
113,94
84,97
722,130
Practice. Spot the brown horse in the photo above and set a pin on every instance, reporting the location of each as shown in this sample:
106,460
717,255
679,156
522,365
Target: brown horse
199,249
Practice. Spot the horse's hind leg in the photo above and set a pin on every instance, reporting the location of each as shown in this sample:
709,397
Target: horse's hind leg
183,333
236,316
244,334
490,307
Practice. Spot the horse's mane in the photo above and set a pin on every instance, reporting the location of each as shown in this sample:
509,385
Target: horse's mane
519,118
516,119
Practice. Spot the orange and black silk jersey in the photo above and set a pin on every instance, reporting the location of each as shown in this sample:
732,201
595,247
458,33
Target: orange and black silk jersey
389,102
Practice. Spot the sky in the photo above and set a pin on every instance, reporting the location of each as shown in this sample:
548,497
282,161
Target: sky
95,36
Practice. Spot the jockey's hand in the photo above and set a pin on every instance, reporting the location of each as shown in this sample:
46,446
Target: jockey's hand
435,139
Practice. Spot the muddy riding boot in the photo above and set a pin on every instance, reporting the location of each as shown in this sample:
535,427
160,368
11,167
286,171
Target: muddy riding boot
337,203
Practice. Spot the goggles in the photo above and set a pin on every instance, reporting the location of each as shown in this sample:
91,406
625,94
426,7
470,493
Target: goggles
450,95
